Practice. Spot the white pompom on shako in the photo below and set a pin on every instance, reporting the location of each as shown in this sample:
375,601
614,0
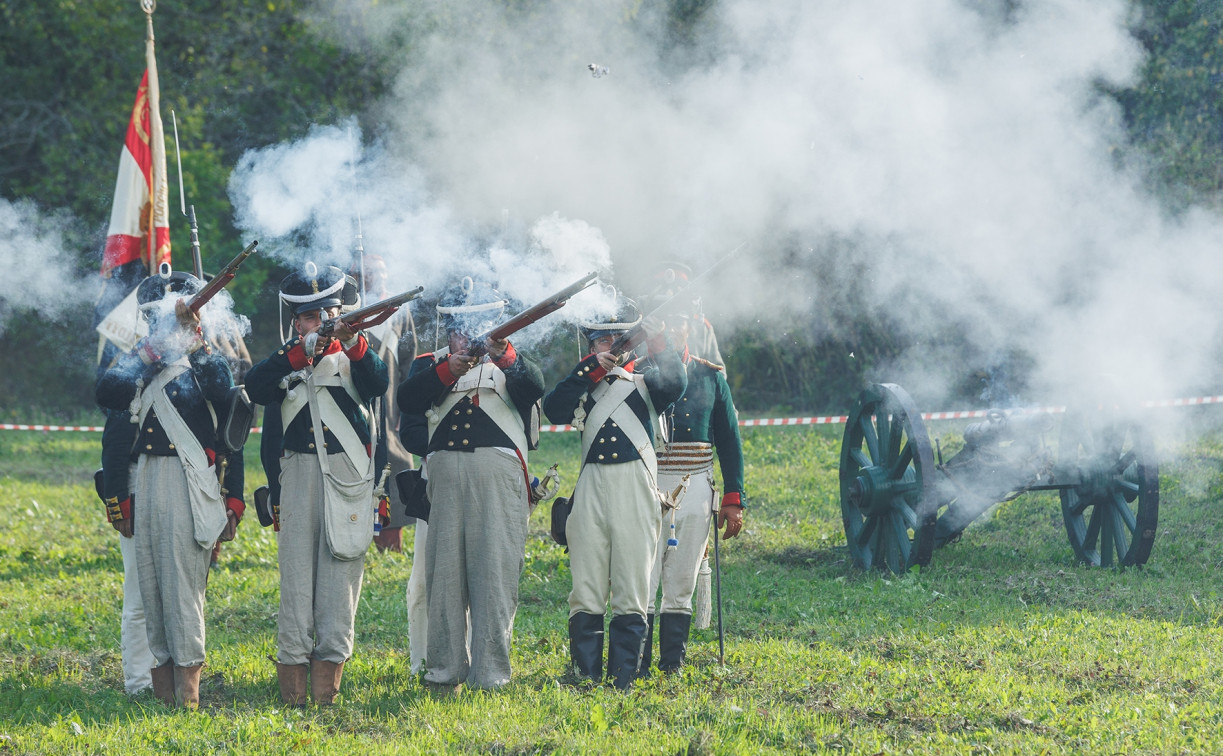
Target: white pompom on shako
470,307
313,288
163,283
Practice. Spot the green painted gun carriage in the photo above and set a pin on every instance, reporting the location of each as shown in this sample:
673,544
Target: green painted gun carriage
900,499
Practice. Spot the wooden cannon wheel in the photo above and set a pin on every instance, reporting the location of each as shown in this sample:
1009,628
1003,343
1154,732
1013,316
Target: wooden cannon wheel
888,502
1112,514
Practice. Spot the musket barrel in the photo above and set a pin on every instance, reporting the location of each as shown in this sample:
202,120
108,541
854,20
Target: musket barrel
530,315
221,279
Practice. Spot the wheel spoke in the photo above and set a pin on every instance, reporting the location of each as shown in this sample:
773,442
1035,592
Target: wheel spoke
884,426
1120,538
1126,460
901,534
1106,535
868,435
1123,513
906,512
1093,529
895,437
902,461
860,458
867,532
891,549
1076,504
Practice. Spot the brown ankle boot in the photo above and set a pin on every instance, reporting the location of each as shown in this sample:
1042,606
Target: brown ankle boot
187,686
292,678
163,683
325,681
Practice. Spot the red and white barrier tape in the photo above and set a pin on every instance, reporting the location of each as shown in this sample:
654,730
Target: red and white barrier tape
756,423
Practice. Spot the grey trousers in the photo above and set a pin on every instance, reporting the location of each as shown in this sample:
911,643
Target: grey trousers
474,558
138,661
171,567
318,593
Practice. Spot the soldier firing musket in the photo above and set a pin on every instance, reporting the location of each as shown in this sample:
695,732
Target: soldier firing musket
174,387
528,316
360,319
322,450
616,520
468,411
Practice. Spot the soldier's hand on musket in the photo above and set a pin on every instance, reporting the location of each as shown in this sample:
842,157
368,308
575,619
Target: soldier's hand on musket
344,332
460,363
124,527
730,516
607,360
187,318
496,347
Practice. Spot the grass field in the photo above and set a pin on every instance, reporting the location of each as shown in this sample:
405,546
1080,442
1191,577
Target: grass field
1002,645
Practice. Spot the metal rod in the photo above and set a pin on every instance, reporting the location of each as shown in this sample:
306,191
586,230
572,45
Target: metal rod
197,262
717,573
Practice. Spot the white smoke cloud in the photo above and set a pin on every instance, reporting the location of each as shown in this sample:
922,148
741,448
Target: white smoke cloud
39,272
954,162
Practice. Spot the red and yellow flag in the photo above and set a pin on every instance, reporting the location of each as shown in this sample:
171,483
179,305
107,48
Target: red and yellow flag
139,219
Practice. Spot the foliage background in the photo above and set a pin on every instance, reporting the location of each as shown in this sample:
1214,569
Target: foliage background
245,74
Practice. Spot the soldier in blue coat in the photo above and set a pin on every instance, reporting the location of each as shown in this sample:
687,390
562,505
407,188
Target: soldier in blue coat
617,511
319,391
173,387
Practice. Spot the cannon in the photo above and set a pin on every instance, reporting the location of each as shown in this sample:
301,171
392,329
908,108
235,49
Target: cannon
900,500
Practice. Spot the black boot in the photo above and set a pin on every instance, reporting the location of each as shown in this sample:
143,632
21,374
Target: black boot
626,638
586,644
672,640
647,651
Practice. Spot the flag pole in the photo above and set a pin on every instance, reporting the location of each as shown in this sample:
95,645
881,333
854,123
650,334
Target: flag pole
158,194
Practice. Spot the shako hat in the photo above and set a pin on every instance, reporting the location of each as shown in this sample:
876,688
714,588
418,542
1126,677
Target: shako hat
624,315
470,307
313,288
158,286
672,274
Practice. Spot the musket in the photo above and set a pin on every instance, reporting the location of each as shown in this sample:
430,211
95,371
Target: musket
197,262
221,279
365,317
478,346
632,338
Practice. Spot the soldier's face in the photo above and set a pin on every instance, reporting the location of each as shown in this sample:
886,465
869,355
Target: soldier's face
602,344
309,321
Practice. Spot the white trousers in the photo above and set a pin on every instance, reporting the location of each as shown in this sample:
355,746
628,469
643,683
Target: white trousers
138,660
418,601
612,534
676,568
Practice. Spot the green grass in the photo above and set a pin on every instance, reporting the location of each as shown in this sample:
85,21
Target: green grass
1002,645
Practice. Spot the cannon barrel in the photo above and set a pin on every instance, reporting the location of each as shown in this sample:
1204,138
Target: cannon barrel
1002,426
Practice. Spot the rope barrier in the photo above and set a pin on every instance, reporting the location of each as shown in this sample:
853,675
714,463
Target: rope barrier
752,423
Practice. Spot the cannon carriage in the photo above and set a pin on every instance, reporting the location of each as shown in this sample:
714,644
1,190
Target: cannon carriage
900,499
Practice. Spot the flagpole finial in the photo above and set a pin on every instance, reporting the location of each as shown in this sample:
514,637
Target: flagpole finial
148,6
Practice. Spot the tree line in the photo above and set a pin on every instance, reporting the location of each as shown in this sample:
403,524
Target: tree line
245,74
